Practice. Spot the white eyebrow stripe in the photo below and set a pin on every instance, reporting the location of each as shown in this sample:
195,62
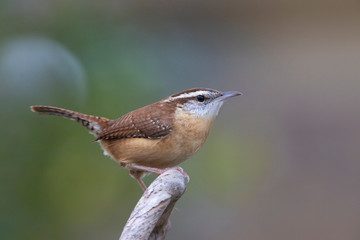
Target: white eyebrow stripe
187,95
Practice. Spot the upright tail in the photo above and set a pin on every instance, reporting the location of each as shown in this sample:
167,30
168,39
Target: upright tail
93,123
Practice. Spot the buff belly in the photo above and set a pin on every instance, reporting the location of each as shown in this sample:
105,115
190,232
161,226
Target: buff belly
185,139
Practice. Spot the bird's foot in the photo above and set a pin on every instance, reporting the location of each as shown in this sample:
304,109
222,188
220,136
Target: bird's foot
180,170
160,171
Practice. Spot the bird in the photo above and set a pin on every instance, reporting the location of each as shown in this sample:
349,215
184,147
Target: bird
157,137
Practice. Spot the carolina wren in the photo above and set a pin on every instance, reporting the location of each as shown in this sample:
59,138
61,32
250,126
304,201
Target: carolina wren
155,137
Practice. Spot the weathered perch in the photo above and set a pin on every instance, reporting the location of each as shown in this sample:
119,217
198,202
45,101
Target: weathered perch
150,217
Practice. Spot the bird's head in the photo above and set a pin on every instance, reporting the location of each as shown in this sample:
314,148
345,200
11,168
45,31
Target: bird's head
201,102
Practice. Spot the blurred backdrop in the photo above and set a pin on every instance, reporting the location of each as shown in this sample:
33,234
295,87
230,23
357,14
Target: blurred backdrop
282,161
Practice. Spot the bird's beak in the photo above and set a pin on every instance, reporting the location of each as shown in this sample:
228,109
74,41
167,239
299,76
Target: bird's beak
226,95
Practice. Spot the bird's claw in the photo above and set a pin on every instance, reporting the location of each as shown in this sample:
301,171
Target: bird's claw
180,170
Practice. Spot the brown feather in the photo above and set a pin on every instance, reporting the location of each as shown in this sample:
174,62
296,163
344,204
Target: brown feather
153,121
93,123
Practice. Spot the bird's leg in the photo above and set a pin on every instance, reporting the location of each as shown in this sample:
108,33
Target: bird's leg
159,171
138,175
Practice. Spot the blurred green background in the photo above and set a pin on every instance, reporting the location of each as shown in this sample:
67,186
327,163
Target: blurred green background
282,161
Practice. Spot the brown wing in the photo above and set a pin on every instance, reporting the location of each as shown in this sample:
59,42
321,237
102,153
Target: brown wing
151,122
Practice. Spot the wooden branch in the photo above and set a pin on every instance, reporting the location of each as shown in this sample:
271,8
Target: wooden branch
150,217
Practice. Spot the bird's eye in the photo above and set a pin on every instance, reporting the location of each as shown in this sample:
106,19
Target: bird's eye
200,98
